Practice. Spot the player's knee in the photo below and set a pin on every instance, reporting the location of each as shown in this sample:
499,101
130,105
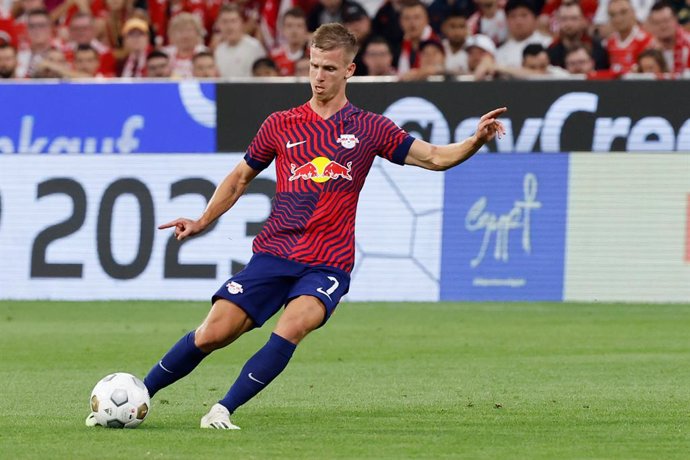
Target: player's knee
296,329
208,339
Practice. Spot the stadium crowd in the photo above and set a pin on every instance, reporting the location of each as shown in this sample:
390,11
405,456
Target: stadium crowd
402,39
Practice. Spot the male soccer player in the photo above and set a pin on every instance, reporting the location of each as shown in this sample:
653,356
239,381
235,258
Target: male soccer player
303,256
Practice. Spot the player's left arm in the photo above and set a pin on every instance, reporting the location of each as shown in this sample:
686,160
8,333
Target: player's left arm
442,157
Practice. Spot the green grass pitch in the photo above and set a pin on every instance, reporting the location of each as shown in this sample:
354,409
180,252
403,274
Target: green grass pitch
410,380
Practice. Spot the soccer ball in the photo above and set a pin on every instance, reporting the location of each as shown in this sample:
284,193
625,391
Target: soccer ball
120,400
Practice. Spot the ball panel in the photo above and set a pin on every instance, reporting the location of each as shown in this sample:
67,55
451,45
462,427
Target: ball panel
119,396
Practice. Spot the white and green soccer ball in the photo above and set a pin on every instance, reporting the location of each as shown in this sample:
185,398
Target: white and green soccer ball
120,400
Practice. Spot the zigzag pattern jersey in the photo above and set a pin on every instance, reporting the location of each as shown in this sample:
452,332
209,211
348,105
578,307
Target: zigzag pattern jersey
321,166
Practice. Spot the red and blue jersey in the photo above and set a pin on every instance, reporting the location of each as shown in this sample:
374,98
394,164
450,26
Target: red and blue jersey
321,166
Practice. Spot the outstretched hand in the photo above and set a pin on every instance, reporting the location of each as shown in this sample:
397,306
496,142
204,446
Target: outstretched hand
489,126
183,227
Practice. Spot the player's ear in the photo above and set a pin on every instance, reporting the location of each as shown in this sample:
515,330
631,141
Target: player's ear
350,70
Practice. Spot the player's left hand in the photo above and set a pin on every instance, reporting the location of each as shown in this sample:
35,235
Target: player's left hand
489,126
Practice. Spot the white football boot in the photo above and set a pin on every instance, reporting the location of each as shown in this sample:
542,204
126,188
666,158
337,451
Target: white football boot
218,418
91,420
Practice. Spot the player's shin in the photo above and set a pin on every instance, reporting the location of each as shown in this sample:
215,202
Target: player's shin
259,371
179,361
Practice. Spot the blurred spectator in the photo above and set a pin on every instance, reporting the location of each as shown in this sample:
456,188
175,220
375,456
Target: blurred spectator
357,21
578,60
63,13
535,60
535,63
432,61
204,65
82,31
136,49
627,40
86,62
651,61
481,55
378,58
572,32
186,34
111,22
489,20
236,51
683,15
8,61
416,29
264,67
295,41
329,11
271,21
522,30
8,32
386,23
302,67
52,65
158,65
670,38
40,40
162,11
602,19
455,30
440,10
14,25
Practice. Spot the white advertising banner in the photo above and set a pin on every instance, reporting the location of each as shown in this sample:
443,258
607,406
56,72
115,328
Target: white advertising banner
84,227
628,236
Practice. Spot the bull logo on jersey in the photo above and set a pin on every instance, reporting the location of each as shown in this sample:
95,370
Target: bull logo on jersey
349,141
320,169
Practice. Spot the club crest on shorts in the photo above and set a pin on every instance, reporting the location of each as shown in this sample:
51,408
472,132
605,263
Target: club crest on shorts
234,287
349,141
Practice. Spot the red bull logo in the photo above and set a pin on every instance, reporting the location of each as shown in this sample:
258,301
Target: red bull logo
320,169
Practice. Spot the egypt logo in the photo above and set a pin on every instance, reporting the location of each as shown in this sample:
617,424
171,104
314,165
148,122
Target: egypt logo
320,169
349,141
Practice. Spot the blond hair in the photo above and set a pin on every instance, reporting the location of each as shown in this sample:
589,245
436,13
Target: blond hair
182,19
333,36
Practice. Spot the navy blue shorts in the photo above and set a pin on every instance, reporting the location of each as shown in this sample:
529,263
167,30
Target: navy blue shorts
269,282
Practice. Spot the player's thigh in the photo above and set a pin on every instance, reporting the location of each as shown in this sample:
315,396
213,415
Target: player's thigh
224,323
302,315
326,285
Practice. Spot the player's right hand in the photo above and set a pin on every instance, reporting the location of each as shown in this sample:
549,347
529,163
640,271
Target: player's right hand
183,227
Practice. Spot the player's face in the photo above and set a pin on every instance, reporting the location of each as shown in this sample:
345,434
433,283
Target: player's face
328,72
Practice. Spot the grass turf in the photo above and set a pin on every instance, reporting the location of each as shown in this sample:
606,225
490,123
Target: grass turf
416,380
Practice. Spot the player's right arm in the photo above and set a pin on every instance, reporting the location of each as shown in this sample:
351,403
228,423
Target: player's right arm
226,195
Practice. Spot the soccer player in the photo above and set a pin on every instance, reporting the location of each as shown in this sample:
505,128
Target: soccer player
302,258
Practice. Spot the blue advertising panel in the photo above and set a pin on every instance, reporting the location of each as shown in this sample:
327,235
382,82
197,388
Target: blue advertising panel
108,118
504,226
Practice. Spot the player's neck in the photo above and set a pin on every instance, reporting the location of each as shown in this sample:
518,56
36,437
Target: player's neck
326,109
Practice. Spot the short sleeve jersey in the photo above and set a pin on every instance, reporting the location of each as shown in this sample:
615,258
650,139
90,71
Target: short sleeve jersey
623,53
321,165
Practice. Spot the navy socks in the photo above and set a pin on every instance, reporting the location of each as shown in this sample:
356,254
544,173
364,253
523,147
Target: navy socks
259,371
182,358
